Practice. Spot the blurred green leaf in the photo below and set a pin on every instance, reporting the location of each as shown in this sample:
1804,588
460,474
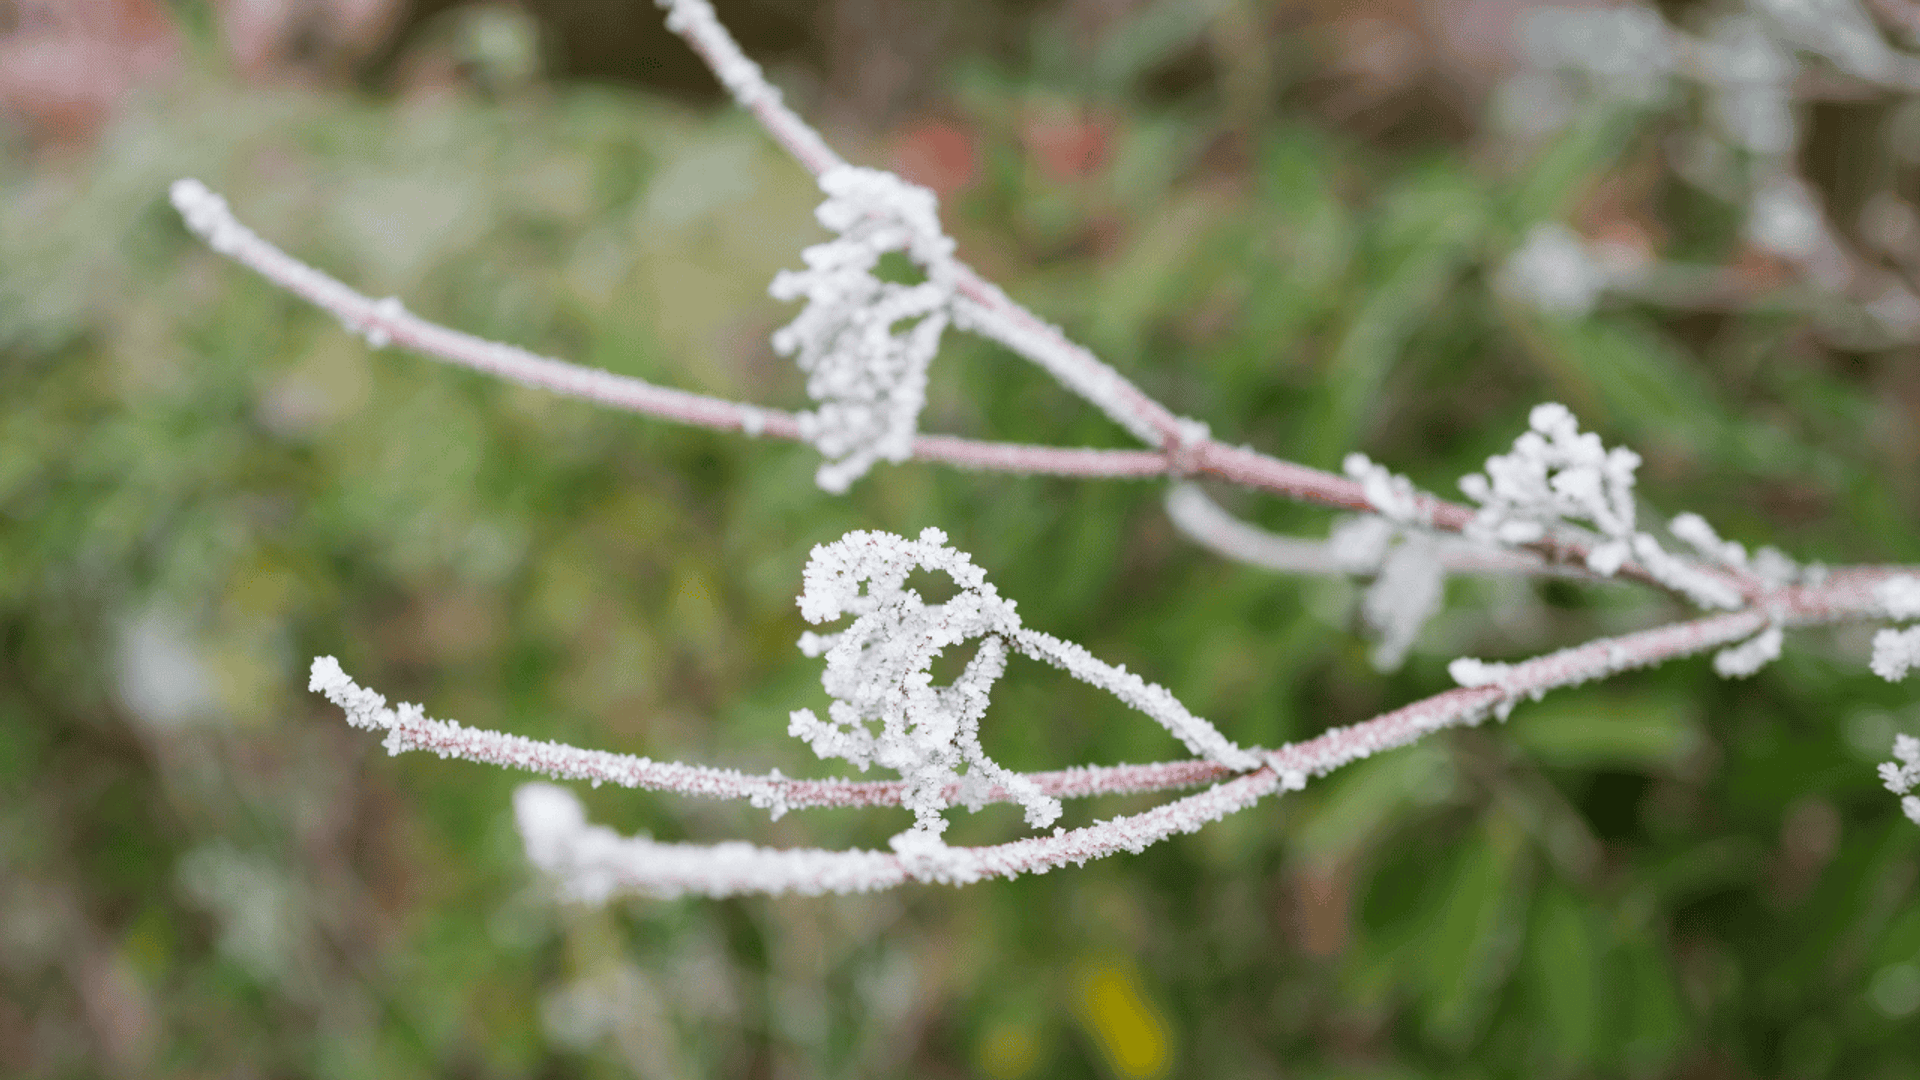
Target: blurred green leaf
1607,728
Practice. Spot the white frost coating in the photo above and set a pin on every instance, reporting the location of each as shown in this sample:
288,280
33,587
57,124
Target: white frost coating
377,336
1153,699
1676,573
1557,475
1900,776
1392,495
1896,652
1900,596
1700,536
1769,565
695,19
998,318
1469,672
208,216
1554,271
879,670
593,864
1742,660
1473,674
869,379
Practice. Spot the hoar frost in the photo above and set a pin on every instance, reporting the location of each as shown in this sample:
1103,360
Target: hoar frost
865,344
1558,477
879,670
886,709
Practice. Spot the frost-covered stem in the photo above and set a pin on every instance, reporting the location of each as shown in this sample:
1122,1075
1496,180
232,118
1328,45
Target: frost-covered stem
409,728
1251,468
592,864
1845,595
991,313
695,21
1212,527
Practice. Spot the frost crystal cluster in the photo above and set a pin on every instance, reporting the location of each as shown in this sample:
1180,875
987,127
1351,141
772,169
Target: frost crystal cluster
885,708
1558,477
1557,474
1900,776
1895,652
864,343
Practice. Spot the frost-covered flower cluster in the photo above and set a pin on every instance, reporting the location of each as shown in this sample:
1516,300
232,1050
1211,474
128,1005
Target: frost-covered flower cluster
1559,482
1556,474
1902,774
885,709
1895,652
865,343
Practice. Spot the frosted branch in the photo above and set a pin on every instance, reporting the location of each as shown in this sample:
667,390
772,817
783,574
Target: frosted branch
1357,545
408,728
592,864
387,322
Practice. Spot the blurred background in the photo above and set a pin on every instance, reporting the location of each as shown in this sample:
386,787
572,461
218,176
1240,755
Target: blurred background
1386,225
